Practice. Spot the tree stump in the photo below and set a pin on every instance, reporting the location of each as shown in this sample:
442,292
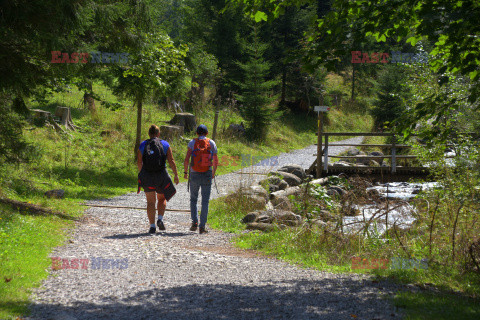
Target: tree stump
186,120
169,132
66,118
45,117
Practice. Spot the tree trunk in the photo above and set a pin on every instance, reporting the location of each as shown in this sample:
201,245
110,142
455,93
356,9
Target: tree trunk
139,127
88,99
353,84
284,84
65,115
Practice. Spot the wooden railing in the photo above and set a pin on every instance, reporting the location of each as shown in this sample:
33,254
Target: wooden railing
393,146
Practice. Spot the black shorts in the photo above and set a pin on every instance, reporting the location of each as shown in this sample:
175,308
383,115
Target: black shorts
159,182
151,189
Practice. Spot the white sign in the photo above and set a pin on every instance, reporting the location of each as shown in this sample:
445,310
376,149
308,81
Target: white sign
321,109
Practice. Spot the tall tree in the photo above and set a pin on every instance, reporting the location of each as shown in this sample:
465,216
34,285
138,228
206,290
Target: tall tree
256,90
392,95
155,68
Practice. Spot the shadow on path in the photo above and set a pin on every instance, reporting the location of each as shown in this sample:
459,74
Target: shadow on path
304,299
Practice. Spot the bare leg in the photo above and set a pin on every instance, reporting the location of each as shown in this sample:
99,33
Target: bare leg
162,204
151,206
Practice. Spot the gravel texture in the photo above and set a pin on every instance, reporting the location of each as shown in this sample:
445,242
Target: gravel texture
180,274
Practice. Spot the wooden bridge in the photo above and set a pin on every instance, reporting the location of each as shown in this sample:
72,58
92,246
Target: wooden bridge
392,172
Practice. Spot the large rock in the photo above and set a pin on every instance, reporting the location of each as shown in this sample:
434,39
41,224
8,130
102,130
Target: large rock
341,164
282,185
377,154
335,191
270,180
321,181
294,169
170,132
237,130
353,152
282,203
289,178
272,183
286,217
251,217
186,120
266,227
285,193
367,161
256,202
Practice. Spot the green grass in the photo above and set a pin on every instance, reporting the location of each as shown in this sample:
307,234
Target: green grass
437,306
314,247
25,242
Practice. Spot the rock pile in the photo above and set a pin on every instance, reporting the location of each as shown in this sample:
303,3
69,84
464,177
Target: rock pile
274,207
362,159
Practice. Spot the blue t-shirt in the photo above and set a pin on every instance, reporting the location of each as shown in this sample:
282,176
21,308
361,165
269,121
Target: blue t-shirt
191,145
164,144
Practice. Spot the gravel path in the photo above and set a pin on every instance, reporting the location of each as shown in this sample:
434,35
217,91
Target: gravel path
180,274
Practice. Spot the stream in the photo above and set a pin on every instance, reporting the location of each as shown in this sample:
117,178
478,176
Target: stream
397,210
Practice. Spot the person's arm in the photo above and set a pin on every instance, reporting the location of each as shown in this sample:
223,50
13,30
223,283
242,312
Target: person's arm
215,164
186,162
139,160
172,164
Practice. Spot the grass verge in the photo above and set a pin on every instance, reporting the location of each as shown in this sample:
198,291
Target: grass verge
25,242
315,247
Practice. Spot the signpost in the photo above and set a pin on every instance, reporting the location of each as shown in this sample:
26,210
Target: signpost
320,110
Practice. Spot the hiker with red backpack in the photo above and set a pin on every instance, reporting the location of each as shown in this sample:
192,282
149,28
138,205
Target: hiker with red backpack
153,176
202,152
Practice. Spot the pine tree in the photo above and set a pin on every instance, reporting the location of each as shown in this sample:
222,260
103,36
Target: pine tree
391,95
255,90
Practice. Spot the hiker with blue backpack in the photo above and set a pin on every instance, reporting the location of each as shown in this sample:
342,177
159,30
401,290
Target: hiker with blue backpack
202,152
153,176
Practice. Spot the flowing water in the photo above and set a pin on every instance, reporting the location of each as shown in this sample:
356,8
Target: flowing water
396,209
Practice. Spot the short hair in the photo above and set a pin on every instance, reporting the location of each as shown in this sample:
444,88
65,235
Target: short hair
153,131
202,129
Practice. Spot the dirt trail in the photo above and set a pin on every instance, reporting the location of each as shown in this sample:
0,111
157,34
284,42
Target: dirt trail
180,274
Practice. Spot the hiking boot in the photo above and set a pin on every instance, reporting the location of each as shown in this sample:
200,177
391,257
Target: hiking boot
152,230
203,230
194,226
160,225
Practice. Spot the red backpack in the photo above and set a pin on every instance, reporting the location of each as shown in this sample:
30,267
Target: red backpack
202,155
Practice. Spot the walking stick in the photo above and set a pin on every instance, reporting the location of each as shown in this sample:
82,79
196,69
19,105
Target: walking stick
215,181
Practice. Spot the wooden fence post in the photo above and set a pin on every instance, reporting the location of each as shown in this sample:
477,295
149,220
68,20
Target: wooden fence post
319,145
394,155
325,154
215,121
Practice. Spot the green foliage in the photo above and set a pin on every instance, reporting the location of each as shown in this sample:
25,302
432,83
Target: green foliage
392,94
449,26
13,147
256,91
156,68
